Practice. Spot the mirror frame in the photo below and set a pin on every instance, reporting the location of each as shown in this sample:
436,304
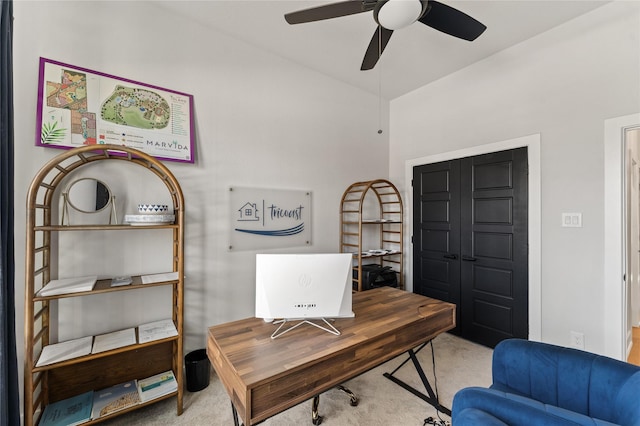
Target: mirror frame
66,195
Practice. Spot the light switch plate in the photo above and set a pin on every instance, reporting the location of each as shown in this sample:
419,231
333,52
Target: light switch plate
572,220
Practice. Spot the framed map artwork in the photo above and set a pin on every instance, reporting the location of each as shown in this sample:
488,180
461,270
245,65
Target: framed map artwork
78,107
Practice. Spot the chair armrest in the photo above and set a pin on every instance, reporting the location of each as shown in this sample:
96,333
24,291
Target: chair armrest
514,410
626,403
475,417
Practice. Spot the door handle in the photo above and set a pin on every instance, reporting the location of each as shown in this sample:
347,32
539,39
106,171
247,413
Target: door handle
469,258
451,256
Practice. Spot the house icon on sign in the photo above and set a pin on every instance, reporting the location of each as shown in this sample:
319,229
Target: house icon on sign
248,212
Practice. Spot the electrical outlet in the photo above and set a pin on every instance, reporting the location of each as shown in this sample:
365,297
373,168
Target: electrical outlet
572,220
577,340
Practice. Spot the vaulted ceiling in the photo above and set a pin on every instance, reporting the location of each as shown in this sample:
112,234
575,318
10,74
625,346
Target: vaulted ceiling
414,57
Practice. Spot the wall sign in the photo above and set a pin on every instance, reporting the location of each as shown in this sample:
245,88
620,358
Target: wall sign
77,107
269,218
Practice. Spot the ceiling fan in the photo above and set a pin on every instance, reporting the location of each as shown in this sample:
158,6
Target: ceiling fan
391,15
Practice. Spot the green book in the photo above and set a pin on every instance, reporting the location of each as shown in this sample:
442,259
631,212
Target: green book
68,412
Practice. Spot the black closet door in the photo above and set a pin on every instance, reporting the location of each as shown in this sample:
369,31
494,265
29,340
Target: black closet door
494,241
436,234
470,242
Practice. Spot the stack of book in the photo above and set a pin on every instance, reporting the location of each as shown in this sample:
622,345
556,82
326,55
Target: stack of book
68,285
68,412
156,330
93,405
58,287
156,386
62,351
113,399
121,281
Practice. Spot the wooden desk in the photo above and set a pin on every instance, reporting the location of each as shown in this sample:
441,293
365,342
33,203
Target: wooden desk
265,376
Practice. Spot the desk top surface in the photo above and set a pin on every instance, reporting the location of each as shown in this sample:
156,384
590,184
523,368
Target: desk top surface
247,345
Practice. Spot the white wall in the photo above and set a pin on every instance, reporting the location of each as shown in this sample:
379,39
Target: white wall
260,121
562,84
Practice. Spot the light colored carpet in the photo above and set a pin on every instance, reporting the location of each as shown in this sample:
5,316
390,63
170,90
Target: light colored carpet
458,364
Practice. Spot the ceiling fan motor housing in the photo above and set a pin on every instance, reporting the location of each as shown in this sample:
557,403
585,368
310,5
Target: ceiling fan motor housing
396,14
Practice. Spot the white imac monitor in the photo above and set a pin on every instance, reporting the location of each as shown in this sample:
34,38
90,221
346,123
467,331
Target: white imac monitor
304,286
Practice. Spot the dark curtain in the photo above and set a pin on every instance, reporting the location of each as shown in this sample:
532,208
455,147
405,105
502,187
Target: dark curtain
9,398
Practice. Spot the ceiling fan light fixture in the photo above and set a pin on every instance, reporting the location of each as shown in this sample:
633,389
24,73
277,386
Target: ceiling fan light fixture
396,14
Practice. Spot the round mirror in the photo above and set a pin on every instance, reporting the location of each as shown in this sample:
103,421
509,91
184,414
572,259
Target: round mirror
88,195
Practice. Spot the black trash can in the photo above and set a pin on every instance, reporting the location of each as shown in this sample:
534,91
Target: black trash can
198,370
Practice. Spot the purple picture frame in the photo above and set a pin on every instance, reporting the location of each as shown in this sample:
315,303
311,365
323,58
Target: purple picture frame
78,107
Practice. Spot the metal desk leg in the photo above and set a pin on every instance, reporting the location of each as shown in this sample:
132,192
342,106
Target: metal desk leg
353,399
315,417
236,422
431,398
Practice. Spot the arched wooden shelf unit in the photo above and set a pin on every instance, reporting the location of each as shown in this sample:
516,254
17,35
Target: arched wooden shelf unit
385,220
46,384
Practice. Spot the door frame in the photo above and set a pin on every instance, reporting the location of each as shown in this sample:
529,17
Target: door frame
532,142
632,203
615,301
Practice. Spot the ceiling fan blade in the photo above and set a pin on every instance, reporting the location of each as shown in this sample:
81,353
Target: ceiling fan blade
451,21
376,47
328,11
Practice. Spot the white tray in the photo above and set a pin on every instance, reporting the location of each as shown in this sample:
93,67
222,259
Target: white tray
149,219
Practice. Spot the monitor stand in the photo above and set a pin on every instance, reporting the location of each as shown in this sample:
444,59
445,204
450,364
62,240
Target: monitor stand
331,329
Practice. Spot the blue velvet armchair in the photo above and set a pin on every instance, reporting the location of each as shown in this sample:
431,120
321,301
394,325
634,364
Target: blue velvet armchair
541,384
